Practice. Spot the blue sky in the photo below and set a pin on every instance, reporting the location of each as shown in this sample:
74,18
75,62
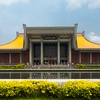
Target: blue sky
14,13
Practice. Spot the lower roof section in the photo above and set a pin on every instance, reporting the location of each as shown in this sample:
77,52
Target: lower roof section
84,44
16,44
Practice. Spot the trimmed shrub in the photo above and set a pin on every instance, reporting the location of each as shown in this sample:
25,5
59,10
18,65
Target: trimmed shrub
20,66
30,88
7,67
0,67
80,65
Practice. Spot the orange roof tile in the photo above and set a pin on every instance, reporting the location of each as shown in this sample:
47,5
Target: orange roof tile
15,44
83,43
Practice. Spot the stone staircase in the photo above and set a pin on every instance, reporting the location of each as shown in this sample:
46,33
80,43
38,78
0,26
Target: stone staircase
69,66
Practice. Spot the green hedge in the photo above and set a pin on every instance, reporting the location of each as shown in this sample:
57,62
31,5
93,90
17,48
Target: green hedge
32,89
82,66
18,66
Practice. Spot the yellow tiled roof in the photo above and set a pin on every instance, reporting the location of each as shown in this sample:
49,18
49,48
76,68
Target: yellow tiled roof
15,44
83,43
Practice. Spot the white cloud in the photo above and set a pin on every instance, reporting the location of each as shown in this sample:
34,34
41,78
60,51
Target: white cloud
74,4
70,4
9,2
94,4
94,38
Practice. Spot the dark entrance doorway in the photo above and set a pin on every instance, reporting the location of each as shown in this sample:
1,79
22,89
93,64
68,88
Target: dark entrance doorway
50,53
63,53
36,53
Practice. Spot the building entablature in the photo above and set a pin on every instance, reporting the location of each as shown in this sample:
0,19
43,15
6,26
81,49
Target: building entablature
49,32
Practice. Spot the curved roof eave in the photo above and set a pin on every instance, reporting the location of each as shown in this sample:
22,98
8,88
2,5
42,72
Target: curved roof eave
16,44
83,44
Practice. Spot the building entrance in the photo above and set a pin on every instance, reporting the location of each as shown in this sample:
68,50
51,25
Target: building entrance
50,53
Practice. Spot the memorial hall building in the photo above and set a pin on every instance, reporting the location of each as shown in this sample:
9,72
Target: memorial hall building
52,45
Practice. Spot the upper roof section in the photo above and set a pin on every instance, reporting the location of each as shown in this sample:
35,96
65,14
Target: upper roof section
16,44
69,32
83,43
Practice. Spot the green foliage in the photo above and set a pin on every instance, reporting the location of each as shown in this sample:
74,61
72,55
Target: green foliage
20,66
91,67
7,67
33,89
80,66
0,67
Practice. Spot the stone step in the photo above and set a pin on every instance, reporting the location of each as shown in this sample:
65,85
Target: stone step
51,67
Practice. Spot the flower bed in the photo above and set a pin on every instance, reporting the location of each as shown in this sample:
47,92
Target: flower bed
33,89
